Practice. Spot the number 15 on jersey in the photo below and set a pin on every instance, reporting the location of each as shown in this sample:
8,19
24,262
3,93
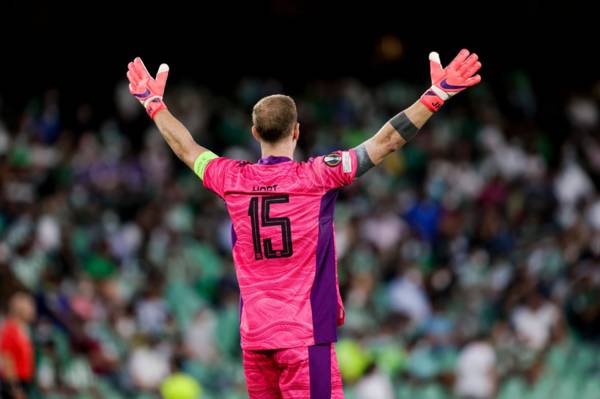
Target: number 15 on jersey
264,247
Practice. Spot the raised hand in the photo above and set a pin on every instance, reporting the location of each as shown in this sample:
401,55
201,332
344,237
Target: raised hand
148,90
446,82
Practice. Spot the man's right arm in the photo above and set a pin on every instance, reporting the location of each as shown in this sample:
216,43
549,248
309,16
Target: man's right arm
149,92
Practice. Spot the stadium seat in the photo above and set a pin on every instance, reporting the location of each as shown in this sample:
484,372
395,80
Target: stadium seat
557,358
433,391
569,387
544,387
514,388
406,391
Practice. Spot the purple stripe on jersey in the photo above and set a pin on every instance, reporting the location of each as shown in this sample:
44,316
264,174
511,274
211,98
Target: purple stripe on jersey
233,241
323,295
271,160
319,368
233,237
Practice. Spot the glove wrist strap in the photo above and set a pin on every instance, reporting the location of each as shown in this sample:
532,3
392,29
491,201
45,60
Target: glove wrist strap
431,99
153,105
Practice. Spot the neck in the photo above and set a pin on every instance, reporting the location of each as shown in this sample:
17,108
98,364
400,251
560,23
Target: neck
277,150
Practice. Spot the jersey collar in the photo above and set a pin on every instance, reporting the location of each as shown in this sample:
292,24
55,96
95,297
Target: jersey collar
272,160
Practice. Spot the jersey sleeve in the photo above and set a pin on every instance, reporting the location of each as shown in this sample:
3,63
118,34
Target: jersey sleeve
336,169
215,173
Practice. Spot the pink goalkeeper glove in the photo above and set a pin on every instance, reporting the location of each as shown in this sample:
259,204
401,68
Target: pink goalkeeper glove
147,90
446,82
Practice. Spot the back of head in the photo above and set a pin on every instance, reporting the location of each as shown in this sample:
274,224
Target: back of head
274,117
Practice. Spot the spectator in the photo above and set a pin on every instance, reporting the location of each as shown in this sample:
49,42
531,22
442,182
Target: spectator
16,348
476,376
374,385
148,365
537,322
408,296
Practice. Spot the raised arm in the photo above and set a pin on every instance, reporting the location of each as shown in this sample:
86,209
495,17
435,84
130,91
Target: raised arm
149,91
445,82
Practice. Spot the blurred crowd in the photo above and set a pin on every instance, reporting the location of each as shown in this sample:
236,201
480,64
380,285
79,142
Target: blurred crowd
466,260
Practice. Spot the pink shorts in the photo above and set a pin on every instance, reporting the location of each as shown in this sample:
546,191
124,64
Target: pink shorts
296,373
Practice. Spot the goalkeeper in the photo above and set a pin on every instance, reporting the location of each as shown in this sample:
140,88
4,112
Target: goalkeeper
282,226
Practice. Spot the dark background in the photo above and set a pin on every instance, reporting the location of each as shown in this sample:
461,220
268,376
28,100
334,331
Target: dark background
79,46
82,48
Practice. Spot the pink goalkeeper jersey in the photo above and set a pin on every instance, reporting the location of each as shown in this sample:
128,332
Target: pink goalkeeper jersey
283,245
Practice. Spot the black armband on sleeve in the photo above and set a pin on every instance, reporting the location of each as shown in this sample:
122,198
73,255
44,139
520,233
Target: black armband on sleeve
404,126
363,161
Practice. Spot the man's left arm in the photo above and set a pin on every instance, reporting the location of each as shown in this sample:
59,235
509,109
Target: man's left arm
446,82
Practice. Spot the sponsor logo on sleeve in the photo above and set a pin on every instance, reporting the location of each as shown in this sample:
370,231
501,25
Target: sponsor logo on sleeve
332,159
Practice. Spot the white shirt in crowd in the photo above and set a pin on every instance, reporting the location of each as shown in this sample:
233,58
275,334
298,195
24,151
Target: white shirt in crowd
407,296
375,386
475,371
148,367
533,326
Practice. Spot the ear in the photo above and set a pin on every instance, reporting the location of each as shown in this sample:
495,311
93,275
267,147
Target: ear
296,132
255,134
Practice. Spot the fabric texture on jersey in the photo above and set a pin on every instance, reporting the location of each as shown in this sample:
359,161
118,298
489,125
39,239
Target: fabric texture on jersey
284,247
296,373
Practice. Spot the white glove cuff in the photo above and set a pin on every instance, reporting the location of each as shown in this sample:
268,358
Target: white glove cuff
149,100
440,93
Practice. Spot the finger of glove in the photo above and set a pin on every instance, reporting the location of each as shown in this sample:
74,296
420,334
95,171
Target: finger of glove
132,89
473,80
140,68
435,66
137,84
162,74
472,70
136,88
467,64
132,78
459,59
131,68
